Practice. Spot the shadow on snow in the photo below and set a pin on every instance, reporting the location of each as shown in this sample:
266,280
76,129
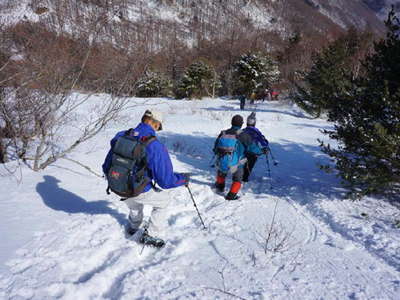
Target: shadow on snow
60,199
257,107
297,173
194,150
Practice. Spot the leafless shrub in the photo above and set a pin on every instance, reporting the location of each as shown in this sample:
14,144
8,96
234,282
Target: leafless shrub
37,123
224,289
37,103
276,238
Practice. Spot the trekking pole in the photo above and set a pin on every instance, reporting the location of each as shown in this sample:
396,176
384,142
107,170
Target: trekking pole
269,172
195,205
272,156
144,232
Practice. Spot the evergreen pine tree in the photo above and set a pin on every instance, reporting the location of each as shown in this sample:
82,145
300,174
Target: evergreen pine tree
198,80
153,84
368,129
253,72
326,86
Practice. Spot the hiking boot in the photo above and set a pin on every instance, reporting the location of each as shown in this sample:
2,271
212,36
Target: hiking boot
149,240
219,188
231,196
130,230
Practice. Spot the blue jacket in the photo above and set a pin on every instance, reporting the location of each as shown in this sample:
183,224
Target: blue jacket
158,160
259,142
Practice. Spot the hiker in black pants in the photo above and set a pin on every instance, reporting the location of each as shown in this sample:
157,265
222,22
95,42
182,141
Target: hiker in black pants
242,100
258,146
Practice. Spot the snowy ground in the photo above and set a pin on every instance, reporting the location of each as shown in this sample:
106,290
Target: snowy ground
62,237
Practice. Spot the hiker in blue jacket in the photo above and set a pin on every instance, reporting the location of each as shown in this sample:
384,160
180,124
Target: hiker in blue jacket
257,147
159,171
230,148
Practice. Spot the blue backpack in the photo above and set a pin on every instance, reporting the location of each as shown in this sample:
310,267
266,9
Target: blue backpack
227,151
127,176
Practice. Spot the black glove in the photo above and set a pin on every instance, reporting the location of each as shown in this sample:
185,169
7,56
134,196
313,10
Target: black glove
186,177
265,151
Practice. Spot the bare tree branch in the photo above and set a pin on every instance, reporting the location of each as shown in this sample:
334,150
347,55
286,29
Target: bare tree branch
225,292
84,166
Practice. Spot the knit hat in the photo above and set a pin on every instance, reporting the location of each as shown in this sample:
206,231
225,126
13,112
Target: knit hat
155,115
237,121
251,119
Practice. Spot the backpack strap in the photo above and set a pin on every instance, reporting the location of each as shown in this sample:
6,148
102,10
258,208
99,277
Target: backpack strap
129,132
146,140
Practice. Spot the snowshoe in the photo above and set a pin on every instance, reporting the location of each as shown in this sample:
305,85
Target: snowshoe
149,240
130,231
231,196
219,188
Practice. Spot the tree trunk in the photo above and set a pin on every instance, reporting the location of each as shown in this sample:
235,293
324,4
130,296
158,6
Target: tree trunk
3,154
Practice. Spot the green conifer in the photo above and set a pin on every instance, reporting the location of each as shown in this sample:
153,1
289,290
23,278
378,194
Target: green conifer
254,72
198,80
368,127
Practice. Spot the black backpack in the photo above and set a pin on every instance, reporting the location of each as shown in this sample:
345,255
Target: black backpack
127,176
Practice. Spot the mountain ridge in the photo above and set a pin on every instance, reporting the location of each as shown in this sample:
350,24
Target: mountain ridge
275,15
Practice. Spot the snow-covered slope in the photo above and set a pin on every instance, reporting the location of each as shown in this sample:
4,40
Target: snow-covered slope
347,12
284,17
62,237
382,7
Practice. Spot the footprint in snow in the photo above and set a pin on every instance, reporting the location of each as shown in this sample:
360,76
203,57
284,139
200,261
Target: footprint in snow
181,219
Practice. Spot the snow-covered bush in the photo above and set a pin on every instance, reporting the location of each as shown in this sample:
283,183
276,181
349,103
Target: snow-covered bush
198,80
153,84
254,72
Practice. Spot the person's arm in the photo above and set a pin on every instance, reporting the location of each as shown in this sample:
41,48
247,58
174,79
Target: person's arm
216,142
261,139
160,164
264,142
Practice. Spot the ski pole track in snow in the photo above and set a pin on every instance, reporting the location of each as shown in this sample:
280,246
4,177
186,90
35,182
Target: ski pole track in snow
326,253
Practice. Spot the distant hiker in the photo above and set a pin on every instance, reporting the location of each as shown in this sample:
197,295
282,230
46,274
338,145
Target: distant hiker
242,99
265,95
257,146
230,148
253,97
274,94
135,163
